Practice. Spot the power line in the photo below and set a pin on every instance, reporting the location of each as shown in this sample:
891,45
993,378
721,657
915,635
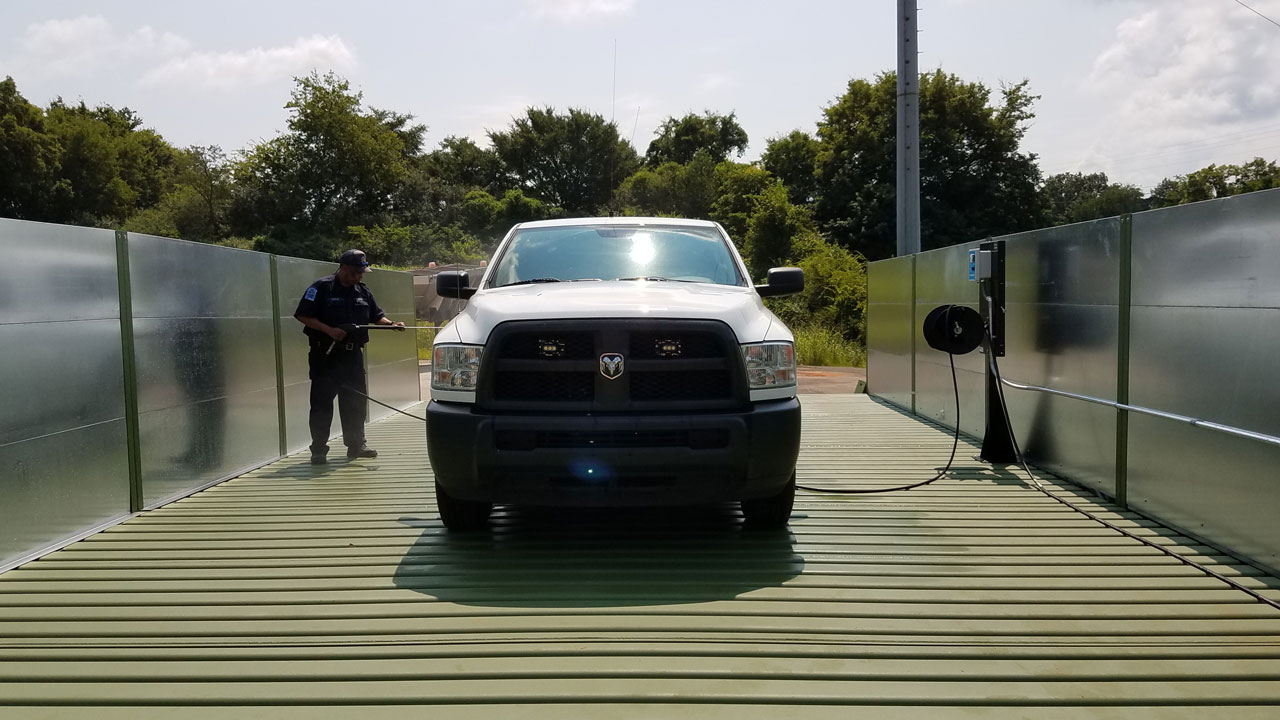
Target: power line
1255,12
1253,142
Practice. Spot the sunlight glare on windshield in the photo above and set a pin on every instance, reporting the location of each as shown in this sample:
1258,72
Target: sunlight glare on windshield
641,248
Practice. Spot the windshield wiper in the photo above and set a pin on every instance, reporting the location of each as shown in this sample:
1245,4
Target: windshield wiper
534,280
663,279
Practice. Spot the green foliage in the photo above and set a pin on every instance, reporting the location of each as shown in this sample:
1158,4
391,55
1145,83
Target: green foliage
425,339
680,139
489,218
29,157
1075,197
1216,181
793,159
835,289
108,168
774,225
818,345
737,186
574,161
460,162
416,245
974,180
338,166
671,189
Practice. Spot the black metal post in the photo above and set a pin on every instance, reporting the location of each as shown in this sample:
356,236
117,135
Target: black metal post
997,440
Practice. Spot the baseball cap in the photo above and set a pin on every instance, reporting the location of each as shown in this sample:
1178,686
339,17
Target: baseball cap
354,257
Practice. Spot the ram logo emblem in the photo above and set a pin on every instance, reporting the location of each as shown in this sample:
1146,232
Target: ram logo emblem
611,365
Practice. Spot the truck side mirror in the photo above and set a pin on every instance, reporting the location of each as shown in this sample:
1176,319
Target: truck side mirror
454,284
782,281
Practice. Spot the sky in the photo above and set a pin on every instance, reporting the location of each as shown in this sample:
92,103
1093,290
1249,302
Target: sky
1138,89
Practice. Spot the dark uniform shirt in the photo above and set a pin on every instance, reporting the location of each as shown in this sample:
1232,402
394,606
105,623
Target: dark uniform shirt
335,304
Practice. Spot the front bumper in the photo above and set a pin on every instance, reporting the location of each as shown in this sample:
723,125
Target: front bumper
613,460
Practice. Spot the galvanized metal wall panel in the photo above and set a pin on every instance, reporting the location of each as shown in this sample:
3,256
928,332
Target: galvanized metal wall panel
890,309
204,337
392,357
1062,289
293,276
1205,338
63,464
942,278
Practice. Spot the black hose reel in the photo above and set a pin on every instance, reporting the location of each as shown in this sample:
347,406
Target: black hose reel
953,329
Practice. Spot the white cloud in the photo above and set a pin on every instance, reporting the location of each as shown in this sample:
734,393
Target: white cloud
1179,74
575,10
91,46
228,70
90,43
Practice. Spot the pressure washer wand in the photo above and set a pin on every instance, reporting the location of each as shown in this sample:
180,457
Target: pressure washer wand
334,343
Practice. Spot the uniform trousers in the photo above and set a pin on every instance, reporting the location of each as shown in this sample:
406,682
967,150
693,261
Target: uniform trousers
338,373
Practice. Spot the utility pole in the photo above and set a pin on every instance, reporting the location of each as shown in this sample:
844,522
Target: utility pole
908,131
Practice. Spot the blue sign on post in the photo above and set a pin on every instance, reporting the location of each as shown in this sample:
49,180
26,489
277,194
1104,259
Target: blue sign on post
973,265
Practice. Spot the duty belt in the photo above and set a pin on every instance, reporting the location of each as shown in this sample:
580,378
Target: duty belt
324,345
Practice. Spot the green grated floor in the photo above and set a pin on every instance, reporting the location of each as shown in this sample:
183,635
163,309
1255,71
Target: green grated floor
330,592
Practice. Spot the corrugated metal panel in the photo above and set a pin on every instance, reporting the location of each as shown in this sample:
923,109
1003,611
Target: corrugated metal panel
1062,331
890,309
315,592
1206,308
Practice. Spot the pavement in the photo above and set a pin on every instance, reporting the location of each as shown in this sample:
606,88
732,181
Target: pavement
813,379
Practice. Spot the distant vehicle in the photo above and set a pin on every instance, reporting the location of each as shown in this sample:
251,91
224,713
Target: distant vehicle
614,362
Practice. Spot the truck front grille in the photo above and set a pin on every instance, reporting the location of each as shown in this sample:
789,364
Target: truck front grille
525,440
545,386
667,365
669,386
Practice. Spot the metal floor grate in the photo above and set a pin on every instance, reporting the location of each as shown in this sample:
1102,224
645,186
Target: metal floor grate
326,592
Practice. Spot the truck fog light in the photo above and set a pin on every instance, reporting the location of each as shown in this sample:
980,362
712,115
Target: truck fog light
455,367
770,365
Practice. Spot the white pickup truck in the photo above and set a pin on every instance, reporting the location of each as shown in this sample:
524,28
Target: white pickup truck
614,362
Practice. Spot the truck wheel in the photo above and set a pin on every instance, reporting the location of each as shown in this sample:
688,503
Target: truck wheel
771,512
461,515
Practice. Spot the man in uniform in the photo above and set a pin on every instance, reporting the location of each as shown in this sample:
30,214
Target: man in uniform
332,308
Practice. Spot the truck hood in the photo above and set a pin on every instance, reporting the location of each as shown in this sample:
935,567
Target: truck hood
738,307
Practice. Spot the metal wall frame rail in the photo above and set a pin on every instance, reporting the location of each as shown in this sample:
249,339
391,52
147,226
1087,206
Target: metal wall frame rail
1196,422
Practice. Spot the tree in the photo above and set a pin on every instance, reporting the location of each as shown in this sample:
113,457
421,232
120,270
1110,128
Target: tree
774,226
403,245
195,206
338,166
679,139
737,186
459,161
575,161
1076,197
974,180
1216,181
671,189
793,159
109,166
29,156
835,289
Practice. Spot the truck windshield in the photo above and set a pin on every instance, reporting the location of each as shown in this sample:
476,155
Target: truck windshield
604,252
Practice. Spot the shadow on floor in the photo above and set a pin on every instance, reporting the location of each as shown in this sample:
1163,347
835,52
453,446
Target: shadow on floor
543,557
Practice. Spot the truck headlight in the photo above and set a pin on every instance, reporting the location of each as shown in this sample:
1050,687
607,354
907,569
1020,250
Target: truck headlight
455,367
770,365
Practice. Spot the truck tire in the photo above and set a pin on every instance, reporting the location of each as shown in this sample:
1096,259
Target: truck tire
769,513
461,515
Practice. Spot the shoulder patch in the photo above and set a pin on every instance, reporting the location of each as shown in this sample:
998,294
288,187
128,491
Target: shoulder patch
310,294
